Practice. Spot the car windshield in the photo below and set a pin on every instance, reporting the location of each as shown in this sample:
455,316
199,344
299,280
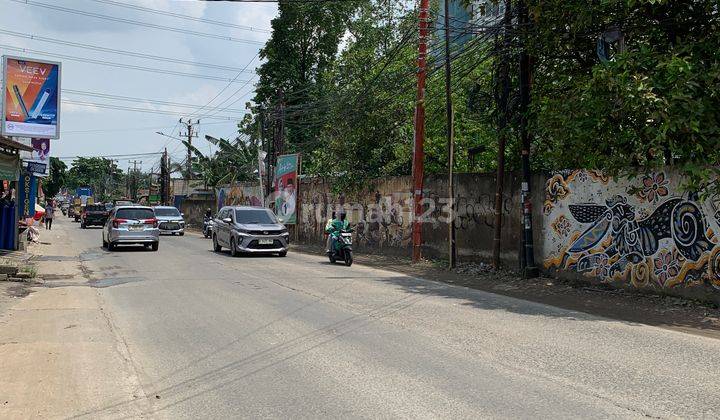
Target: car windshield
97,207
254,217
167,212
135,214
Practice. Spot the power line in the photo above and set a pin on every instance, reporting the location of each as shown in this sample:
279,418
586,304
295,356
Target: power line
120,52
135,99
112,130
136,22
181,16
122,65
144,110
124,155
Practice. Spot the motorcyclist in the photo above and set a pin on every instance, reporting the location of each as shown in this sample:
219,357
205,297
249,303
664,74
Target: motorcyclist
208,214
333,226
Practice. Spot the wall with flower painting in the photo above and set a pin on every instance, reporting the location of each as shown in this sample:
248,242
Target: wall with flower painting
644,232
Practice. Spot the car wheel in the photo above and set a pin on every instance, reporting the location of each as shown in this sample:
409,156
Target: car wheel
155,246
233,249
111,246
181,233
83,226
282,254
216,245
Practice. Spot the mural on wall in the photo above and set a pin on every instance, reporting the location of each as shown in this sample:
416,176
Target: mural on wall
239,195
647,232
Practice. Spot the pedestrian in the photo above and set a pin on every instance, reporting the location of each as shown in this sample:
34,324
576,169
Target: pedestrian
49,215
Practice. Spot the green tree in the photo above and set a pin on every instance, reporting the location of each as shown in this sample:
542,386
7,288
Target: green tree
57,179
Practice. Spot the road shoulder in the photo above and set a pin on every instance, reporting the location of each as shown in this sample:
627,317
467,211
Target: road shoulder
671,313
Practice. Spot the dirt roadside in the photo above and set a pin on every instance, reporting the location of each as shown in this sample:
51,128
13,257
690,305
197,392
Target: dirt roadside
659,311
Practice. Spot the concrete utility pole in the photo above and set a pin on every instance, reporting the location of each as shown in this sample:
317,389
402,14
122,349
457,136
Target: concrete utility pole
504,82
419,143
528,252
189,133
164,181
134,180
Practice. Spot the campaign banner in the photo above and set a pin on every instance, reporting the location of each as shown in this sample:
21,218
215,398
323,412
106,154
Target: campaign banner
37,162
285,183
31,104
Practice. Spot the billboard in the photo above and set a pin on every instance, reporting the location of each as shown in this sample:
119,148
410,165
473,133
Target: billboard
31,98
285,183
36,162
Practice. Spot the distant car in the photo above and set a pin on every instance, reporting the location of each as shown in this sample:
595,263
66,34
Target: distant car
131,225
170,219
253,230
94,215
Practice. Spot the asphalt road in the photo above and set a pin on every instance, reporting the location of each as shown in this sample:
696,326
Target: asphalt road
211,336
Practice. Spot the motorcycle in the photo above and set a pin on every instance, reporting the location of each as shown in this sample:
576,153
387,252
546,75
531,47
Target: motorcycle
207,226
342,247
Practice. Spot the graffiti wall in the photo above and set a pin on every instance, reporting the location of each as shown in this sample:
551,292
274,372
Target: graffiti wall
247,194
381,213
645,232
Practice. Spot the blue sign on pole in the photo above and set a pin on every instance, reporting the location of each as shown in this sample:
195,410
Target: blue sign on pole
27,193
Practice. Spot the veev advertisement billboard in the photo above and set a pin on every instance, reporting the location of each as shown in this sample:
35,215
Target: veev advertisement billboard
31,98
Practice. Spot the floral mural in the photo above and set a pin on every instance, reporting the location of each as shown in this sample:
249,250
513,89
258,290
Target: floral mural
644,232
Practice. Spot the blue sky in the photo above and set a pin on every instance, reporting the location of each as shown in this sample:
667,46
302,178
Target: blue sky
92,130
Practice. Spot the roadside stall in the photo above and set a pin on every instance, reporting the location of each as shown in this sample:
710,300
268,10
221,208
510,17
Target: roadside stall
10,176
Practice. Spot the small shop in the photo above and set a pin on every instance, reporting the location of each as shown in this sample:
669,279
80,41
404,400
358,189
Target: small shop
10,177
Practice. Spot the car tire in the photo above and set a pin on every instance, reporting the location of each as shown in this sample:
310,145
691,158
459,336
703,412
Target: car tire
111,246
181,233
155,245
282,254
233,249
83,226
216,245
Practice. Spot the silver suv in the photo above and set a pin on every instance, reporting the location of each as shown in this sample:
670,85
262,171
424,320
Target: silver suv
131,225
249,230
170,219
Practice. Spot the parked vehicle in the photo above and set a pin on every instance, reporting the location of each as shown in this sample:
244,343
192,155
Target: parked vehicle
77,207
252,230
71,211
131,225
94,215
342,246
64,208
170,219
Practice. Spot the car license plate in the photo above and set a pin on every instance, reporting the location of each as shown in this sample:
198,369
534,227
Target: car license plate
265,241
136,227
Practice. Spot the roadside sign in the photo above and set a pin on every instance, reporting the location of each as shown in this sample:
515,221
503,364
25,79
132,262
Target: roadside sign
31,98
286,183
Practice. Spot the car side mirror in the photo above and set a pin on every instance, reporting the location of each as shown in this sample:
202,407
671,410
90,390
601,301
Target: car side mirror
182,214
227,220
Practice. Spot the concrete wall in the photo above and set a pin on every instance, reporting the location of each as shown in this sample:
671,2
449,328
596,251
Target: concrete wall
194,211
644,232
383,214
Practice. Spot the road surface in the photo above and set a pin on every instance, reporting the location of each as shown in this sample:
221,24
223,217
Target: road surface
188,333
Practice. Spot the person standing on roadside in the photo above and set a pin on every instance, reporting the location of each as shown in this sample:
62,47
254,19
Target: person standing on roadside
49,215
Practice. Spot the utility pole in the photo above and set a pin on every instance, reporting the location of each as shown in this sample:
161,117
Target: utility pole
134,180
452,252
504,81
163,179
419,141
261,140
189,134
528,254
